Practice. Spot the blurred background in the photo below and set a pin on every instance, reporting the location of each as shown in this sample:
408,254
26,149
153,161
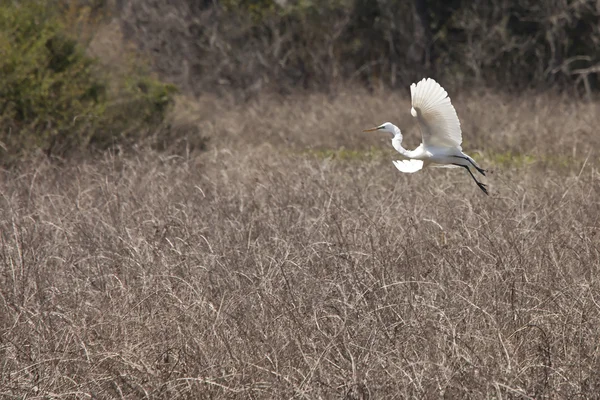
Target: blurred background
291,44
89,74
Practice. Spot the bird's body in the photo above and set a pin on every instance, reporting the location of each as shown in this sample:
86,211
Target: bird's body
440,129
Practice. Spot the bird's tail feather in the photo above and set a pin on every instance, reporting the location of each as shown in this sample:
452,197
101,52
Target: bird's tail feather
444,166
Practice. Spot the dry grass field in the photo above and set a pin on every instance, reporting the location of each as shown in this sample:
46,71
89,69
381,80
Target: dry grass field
292,260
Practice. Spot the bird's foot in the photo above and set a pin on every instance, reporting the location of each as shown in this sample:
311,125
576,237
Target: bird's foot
481,171
483,187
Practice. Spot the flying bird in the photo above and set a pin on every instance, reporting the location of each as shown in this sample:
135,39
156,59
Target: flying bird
440,129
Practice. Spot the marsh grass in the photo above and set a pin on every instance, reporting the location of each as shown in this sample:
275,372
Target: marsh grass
259,270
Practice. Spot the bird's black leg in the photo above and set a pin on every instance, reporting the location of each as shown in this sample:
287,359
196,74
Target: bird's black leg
481,185
480,170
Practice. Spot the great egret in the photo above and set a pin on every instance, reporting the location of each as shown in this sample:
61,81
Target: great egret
440,129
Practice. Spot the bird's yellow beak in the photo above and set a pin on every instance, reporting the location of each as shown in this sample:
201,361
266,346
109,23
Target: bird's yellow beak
371,129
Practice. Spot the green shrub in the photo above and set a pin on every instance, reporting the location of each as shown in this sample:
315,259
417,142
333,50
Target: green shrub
55,98
140,101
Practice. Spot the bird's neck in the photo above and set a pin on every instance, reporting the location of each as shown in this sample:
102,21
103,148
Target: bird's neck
397,143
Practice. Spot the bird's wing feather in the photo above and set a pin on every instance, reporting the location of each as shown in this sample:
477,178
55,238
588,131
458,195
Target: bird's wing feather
436,114
408,166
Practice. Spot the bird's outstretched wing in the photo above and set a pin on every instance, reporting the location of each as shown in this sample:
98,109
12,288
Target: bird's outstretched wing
436,115
408,166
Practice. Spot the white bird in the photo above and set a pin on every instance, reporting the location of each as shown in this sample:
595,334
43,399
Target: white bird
440,129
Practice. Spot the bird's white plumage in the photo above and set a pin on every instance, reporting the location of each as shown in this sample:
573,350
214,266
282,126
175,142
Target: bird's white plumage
437,117
408,166
441,132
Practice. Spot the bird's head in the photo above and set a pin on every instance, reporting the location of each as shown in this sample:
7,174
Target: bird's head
385,127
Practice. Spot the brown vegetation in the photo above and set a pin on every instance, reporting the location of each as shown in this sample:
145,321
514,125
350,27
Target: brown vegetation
279,264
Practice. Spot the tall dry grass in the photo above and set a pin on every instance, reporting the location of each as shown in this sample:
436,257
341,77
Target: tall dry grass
260,270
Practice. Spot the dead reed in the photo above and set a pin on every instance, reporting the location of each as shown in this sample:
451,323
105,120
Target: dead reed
258,269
